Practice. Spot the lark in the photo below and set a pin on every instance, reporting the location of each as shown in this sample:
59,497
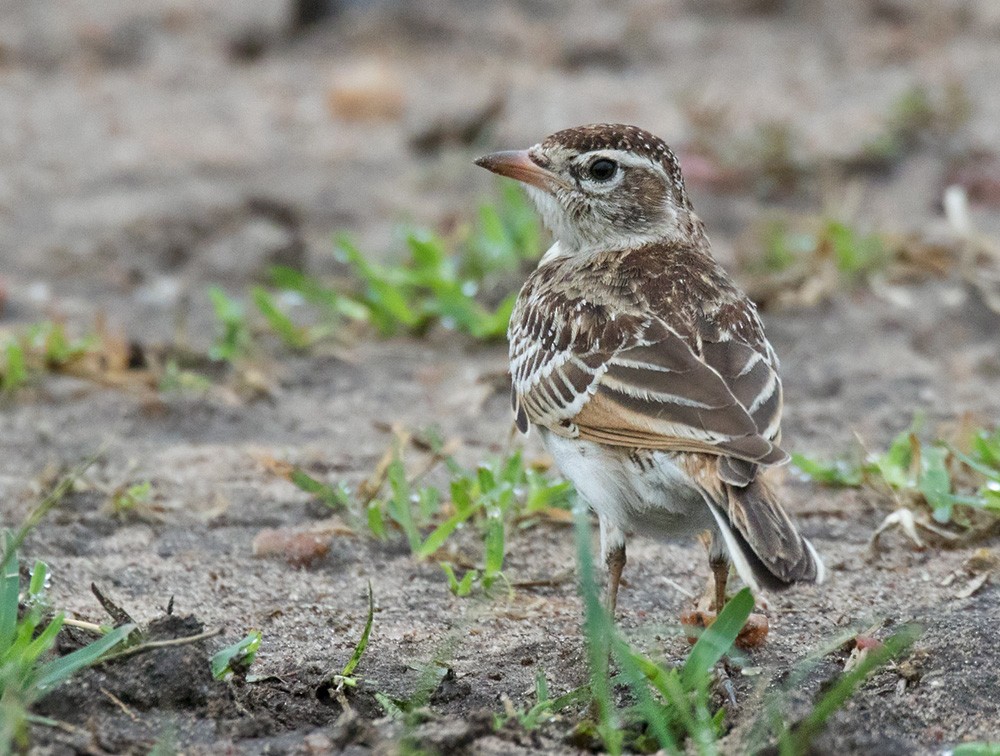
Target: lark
644,368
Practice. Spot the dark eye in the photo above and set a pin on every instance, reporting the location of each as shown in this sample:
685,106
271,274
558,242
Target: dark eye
603,169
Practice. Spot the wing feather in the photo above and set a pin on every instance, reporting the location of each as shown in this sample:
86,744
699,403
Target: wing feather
611,372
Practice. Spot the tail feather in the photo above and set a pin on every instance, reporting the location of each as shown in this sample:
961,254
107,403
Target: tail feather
763,543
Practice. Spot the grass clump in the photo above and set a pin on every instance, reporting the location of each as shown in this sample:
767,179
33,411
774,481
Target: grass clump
48,347
466,283
958,483
801,262
668,704
831,244
28,632
489,498
458,283
671,708
544,708
494,498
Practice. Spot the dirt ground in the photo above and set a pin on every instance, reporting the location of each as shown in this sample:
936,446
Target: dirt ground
151,147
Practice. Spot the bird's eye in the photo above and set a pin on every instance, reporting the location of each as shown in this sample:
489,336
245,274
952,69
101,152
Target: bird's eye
603,169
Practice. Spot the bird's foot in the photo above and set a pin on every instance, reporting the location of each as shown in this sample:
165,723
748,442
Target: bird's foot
753,635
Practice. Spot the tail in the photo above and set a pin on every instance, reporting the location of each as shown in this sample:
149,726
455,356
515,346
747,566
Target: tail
763,543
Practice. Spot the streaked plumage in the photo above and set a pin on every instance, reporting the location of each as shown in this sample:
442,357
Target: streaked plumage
646,370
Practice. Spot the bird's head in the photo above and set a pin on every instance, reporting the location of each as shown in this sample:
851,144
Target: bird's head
600,187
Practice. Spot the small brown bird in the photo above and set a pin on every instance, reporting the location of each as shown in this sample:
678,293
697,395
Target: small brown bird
645,369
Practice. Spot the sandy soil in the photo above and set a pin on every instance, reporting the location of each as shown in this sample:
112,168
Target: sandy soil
144,155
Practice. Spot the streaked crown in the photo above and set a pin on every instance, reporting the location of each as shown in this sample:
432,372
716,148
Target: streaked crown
619,136
604,186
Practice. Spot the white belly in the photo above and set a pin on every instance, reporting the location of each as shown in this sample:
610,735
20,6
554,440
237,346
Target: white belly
651,497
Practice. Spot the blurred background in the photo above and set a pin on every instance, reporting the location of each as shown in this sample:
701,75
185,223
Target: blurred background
244,250
148,147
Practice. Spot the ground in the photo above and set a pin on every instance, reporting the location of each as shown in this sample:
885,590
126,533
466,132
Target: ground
150,148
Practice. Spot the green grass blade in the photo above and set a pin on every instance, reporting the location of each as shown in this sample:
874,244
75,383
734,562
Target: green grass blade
59,670
239,655
494,548
15,373
718,638
334,498
38,576
43,641
460,588
656,716
983,469
598,629
359,650
440,534
294,336
976,749
10,584
802,736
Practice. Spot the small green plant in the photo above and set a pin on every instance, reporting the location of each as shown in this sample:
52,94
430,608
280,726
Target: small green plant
28,632
508,235
236,659
464,283
39,348
129,500
850,253
234,338
424,290
335,497
670,703
544,707
14,372
240,326
953,484
346,678
491,496
498,495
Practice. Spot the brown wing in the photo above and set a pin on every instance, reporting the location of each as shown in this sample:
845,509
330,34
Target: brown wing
635,382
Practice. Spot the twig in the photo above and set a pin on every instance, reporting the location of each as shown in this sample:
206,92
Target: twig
148,645
120,704
80,624
551,582
119,615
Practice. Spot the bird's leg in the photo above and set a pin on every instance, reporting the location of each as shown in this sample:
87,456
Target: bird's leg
615,561
720,572
714,597
755,630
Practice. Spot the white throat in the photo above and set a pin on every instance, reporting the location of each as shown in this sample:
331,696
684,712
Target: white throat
577,237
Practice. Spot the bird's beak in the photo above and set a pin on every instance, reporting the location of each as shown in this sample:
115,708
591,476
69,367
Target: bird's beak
517,164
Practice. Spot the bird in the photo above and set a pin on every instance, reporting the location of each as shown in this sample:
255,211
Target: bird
645,369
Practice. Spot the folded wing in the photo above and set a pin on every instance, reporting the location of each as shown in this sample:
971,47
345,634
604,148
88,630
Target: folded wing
636,382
